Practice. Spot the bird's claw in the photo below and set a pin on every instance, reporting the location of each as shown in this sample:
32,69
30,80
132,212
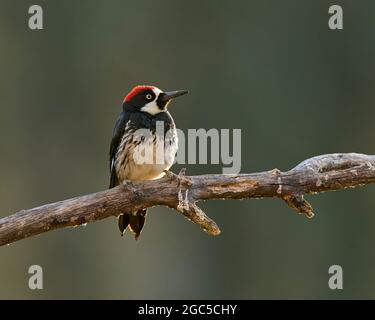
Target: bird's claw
180,178
127,183
170,175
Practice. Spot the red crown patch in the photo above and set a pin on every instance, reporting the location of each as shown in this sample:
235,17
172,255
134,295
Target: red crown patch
136,90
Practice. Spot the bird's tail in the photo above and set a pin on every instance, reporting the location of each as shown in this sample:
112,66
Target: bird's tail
134,221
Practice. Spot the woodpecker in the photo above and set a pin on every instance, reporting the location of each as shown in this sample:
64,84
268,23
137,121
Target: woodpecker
144,107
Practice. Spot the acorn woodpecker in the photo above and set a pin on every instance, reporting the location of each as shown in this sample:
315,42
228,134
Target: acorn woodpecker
144,109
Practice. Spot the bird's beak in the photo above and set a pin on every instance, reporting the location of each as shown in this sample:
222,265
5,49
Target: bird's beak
167,96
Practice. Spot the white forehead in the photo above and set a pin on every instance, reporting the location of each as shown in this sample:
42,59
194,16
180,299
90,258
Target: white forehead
157,91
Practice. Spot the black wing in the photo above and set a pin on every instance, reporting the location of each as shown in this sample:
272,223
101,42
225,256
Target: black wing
118,132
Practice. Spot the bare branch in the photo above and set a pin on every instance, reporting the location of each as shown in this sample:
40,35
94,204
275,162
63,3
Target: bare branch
180,192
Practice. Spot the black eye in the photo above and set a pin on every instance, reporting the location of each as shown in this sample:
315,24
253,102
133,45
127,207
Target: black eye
148,96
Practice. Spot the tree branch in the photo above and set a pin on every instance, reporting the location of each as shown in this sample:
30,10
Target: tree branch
180,192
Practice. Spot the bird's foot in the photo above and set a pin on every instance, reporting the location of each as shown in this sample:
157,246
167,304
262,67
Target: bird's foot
170,175
181,178
127,183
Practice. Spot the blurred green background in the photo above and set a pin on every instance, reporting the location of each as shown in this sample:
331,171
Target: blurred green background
272,68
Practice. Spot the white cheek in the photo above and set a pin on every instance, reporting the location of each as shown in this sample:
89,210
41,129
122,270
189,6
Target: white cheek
151,108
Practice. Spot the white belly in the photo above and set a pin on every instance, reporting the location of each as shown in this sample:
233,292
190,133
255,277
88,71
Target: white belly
143,160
